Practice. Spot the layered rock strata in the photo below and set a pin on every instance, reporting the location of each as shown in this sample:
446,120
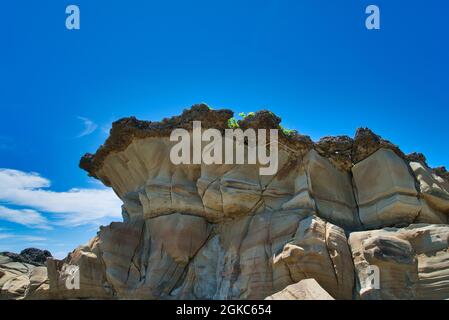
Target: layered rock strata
21,279
226,232
307,289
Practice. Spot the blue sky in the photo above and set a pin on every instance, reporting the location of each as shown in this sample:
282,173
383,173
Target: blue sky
311,62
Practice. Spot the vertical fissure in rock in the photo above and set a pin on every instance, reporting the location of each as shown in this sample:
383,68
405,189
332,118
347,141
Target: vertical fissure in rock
356,201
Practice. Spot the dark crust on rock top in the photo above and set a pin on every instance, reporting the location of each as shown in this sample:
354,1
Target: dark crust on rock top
367,142
342,151
419,157
442,172
32,256
265,119
416,157
125,130
338,149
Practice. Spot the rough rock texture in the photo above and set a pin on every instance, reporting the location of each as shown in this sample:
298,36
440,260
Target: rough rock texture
442,172
385,190
367,142
87,263
433,188
307,289
338,150
183,256
32,256
24,275
226,232
413,262
19,280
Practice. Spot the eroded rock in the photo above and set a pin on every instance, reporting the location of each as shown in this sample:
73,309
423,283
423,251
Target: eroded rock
433,188
385,190
411,263
224,231
307,289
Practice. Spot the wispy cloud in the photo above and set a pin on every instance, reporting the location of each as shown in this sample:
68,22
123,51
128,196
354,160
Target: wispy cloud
32,238
69,208
21,237
89,127
6,236
26,217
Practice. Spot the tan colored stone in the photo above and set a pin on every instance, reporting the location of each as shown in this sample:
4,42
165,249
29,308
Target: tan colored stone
119,244
319,250
91,272
413,262
224,231
14,278
331,190
39,287
15,287
307,289
385,189
430,215
434,189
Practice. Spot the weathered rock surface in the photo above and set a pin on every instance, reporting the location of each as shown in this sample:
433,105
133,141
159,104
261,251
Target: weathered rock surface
385,190
202,231
367,142
32,256
412,262
433,188
80,275
19,280
178,256
307,289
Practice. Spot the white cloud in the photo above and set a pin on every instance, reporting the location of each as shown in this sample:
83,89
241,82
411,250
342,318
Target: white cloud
6,236
32,238
15,179
89,127
70,208
22,237
26,217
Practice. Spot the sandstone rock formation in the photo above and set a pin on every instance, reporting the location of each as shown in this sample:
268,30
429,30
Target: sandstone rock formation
385,190
19,279
202,231
32,256
413,262
307,289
